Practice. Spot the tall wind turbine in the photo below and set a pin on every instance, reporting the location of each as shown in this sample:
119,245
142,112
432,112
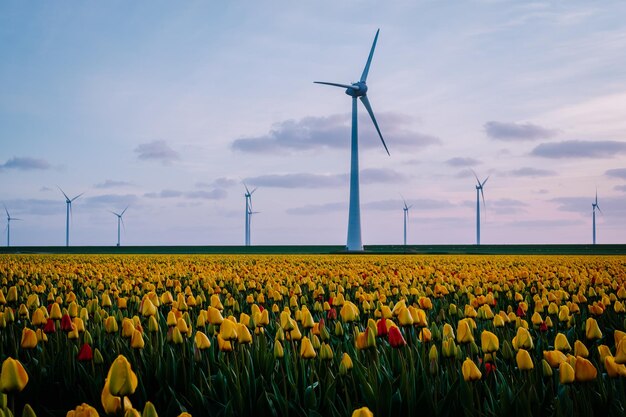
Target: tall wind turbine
9,219
357,90
595,206
479,193
249,213
119,220
406,218
68,202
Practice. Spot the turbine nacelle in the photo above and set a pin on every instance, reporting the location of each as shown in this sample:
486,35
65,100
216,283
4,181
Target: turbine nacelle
357,89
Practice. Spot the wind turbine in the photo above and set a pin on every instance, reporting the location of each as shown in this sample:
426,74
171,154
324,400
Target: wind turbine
68,202
119,220
357,90
249,213
9,219
479,192
406,217
595,206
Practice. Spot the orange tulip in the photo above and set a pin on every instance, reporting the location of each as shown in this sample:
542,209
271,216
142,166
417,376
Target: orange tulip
585,371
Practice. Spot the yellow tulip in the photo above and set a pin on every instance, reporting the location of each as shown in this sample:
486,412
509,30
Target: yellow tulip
524,361
122,379
580,349
554,357
224,345
111,403
110,324
489,342
592,331
83,410
566,373
136,340
620,351
13,377
306,349
404,317
464,332
614,369
470,370
243,334
202,341
228,330
279,352
349,312
585,371
561,343
604,351
523,339
346,364
362,412
29,339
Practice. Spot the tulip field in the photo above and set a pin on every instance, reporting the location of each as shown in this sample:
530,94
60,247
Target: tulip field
304,335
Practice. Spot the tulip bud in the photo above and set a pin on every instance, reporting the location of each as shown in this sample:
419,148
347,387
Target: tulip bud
489,342
592,331
306,349
584,370
448,348
28,411
524,361
112,404
338,329
614,369
149,410
278,350
561,343
470,371
546,369
554,357
29,339
122,379
97,357
13,377
566,373
362,412
580,349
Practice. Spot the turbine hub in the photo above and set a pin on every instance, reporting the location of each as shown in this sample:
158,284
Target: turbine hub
359,90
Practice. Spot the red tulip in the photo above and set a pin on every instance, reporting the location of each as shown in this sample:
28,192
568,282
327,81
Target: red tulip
395,337
66,323
85,354
332,314
381,327
49,327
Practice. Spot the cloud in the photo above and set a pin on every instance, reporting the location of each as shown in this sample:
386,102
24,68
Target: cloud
305,180
516,132
333,132
317,209
462,162
164,194
530,172
44,189
111,200
580,149
216,194
221,182
157,150
617,173
418,205
620,188
25,164
301,180
506,206
543,224
35,206
112,184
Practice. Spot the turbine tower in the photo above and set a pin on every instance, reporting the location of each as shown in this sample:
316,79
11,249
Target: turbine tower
595,206
119,220
9,219
357,90
479,193
249,213
68,210
406,218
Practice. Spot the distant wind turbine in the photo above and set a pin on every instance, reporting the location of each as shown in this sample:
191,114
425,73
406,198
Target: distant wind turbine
479,193
119,220
9,219
405,209
595,206
249,213
68,202
357,90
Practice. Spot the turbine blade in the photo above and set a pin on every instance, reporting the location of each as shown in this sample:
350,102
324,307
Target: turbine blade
475,176
252,192
123,225
124,211
484,205
7,210
600,210
411,206
77,196
354,87
367,105
246,187
483,183
65,195
15,218
366,70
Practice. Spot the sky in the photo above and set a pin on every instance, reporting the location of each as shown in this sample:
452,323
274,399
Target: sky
169,107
